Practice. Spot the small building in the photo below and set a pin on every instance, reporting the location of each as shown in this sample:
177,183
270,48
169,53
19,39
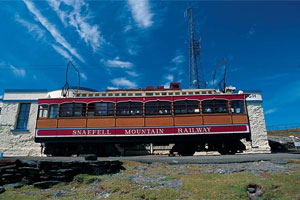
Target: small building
18,119
19,113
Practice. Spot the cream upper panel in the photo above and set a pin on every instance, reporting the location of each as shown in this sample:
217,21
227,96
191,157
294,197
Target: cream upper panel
146,93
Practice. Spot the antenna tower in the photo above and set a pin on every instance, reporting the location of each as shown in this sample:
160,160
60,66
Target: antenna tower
194,55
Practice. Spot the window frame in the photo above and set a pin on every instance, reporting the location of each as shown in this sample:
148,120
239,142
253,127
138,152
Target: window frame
214,108
159,108
186,107
243,107
132,109
26,116
110,109
73,110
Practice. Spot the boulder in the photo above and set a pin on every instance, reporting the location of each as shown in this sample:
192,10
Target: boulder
90,157
45,184
2,189
27,163
13,185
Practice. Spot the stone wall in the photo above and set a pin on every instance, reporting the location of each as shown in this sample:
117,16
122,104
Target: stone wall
259,143
17,143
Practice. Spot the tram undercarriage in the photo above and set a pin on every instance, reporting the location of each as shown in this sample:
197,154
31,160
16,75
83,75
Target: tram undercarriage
183,146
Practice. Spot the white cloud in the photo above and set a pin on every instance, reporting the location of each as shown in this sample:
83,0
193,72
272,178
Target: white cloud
252,30
32,28
83,76
52,30
140,10
132,46
132,73
18,72
116,63
127,28
179,59
62,52
270,111
168,78
111,88
123,82
78,18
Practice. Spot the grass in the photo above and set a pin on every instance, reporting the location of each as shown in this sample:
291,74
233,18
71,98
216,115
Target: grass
194,185
285,132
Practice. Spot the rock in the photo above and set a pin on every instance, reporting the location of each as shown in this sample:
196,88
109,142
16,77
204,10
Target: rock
3,168
102,195
29,170
59,193
2,189
45,184
27,163
251,190
90,157
254,191
220,171
48,165
13,185
5,161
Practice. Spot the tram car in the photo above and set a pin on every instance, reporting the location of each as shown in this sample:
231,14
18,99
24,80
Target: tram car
95,122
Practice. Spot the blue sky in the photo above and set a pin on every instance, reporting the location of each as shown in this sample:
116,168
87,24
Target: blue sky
136,43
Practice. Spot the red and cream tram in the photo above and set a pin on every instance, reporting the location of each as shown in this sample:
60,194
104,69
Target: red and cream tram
193,120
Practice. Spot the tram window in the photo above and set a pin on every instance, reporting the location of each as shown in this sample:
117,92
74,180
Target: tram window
53,110
186,107
110,94
43,111
101,109
130,94
183,93
215,106
138,94
129,108
158,108
237,106
72,109
117,94
123,94
177,93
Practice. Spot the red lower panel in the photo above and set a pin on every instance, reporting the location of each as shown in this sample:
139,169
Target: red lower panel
142,131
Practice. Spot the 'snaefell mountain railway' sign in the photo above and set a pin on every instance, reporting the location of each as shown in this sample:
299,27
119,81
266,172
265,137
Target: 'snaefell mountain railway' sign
221,129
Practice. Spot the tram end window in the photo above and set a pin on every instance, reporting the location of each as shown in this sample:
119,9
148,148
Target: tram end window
43,111
237,107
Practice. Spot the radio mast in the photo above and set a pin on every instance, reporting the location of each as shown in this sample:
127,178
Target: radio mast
194,55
